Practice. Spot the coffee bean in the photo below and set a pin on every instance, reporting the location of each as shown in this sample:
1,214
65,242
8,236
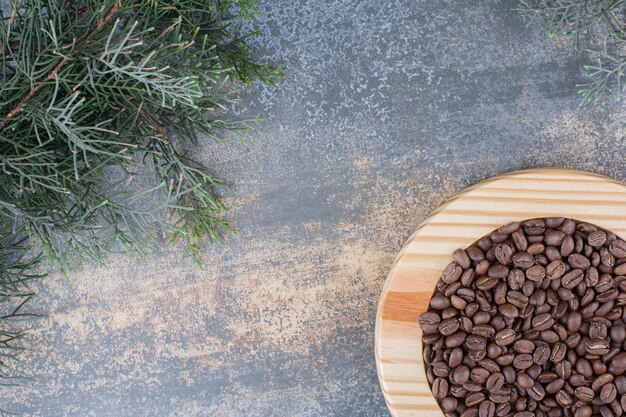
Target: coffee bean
508,310
543,322
451,273
505,337
439,302
584,394
440,388
460,375
524,346
556,269
495,381
606,257
572,278
618,248
578,261
536,392
429,322
448,326
617,364
536,249
475,342
541,353
558,352
517,299
564,399
479,375
584,411
486,409
620,270
564,369
474,399
596,238
519,240
597,346
498,271
449,404
504,253
524,414
536,273
461,258
608,393
523,361
555,386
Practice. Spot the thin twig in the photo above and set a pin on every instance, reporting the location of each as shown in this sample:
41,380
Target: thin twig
55,71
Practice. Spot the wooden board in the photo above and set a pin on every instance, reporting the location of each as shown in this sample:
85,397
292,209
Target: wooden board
456,224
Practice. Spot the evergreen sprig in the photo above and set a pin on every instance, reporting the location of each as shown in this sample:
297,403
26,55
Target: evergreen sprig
597,25
103,104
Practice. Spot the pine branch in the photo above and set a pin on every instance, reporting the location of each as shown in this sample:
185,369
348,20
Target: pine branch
582,20
54,73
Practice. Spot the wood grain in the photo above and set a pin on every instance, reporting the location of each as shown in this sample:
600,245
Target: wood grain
456,224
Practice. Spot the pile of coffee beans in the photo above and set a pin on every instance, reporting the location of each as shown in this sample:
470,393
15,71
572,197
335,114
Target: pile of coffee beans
531,321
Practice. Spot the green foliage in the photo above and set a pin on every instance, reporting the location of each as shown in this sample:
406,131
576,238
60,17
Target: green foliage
599,26
103,104
102,107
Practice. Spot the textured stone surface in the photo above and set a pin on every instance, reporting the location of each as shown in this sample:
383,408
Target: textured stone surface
389,109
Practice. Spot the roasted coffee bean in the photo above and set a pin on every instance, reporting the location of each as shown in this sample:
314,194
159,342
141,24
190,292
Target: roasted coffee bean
440,388
543,321
541,353
556,269
449,404
524,346
504,253
505,337
617,365
584,394
519,240
618,249
460,375
479,375
578,261
572,278
584,411
536,392
429,322
523,260
555,386
498,271
475,342
536,273
495,381
558,352
564,369
461,258
536,249
474,399
564,399
608,393
487,409
523,361
449,326
597,346
596,238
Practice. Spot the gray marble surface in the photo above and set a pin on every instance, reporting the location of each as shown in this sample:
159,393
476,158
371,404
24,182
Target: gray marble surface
390,107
